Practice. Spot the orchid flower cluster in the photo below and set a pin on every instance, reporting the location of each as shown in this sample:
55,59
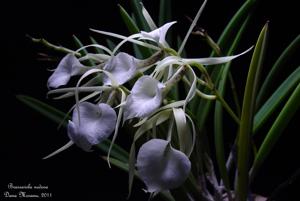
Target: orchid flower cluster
120,89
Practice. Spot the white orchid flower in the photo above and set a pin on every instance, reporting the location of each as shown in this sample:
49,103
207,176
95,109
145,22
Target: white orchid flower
94,124
122,66
145,97
67,67
158,35
162,167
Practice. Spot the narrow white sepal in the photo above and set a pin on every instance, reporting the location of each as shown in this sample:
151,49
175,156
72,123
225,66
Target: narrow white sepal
214,60
66,146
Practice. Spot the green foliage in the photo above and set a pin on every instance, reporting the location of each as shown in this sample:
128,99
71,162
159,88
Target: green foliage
280,123
58,116
189,100
246,123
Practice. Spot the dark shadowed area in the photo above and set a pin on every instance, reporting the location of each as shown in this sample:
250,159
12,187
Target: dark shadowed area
26,136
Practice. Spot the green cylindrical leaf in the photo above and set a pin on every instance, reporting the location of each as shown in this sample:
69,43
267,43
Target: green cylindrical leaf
83,51
140,52
97,50
132,27
46,110
58,116
248,115
232,27
275,100
224,43
279,65
137,10
289,109
164,12
218,117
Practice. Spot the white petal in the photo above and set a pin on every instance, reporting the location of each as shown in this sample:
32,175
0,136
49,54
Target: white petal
95,123
158,35
122,66
162,167
67,67
145,97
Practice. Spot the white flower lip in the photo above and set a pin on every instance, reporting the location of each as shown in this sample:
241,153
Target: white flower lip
67,67
97,122
145,97
122,66
158,35
162,167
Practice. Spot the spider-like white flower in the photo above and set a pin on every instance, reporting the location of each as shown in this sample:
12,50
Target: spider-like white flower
162,167
67,67
158,35
122,66
94,124
145,97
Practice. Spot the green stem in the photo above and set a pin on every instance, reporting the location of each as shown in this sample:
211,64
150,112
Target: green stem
51,46
235,94
151,60
171,51
210,85
176,78
226,107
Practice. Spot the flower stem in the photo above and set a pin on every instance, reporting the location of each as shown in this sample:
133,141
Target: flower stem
235,94
171,51
211,86
51,46
151,60
226,106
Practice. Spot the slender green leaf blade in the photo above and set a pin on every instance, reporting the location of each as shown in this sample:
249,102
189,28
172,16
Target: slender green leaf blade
79,44
111,45
58,116
275,100
140,52
118,163
232,27
282,120
131,171
164,11
218,117
137,10
279,65
204,106
97,50
243,14
224,43
46,110
83,51
131,25
116,151
247,116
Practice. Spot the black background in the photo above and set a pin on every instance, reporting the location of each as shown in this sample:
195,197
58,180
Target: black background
26,136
